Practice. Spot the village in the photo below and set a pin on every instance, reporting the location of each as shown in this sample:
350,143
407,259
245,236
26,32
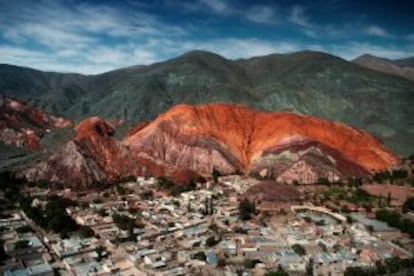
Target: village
212,227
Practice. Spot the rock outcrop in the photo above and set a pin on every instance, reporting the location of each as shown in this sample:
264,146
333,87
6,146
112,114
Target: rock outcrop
22,125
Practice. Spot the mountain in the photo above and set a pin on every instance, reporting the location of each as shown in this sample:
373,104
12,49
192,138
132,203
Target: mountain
23,126
95,156
311,83
234,138
403,68
230,138
409,62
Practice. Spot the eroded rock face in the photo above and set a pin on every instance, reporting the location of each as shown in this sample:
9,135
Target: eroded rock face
235,138
94,155
22,125
186,139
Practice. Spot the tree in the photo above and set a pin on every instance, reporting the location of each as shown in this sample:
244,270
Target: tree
279,272
200,255
250,264
309,268
246,209
211,241
389,199
221,262
299,249
408,205
21,244
215,174
86,232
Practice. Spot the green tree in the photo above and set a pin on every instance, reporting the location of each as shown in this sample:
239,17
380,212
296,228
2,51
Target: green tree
299,249
211,241
246,209
86,232
250,264
21,244
279,272
408,205
309,268
200,255
215,174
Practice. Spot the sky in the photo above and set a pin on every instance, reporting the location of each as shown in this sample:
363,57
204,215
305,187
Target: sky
92,37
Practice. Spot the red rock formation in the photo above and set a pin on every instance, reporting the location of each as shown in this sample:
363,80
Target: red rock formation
188,139
94,155
233,137
22,125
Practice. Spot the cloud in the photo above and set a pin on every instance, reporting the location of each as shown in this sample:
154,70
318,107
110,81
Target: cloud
410,37
261,14
299,17
218,6
374,30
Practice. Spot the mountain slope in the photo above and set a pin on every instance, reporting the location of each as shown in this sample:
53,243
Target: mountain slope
311,83
403,68
234,138
187,141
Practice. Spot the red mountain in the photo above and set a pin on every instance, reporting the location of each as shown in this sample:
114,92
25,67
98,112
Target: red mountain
232,138
22,125
235,138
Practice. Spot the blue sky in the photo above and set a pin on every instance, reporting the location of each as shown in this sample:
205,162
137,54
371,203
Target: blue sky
97,36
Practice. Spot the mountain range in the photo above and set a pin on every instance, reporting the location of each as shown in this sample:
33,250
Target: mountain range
400,67
312,83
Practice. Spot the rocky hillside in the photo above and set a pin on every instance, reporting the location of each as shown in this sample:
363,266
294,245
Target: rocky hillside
187,141
311,83
234,138
403,68
23,126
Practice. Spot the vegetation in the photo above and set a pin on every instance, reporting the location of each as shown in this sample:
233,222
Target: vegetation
124,222
408,205
246,209
86,232
390,266
24,229
390,176
299,249
211,241
358,196
250,264
215,174
200,255
54,217
21,244
279,272
173,188
394,219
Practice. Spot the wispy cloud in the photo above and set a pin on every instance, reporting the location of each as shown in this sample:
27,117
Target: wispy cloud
374,30
299,17
262,14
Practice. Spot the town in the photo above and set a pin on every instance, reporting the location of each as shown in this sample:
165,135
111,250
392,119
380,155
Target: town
223,225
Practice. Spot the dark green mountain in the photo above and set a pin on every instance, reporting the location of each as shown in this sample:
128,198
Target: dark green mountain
308,82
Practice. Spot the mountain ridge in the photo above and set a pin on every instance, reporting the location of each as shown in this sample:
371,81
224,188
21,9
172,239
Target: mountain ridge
307,82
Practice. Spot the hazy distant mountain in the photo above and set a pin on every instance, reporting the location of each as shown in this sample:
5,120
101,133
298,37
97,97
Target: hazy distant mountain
401,67
405,62
307,82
